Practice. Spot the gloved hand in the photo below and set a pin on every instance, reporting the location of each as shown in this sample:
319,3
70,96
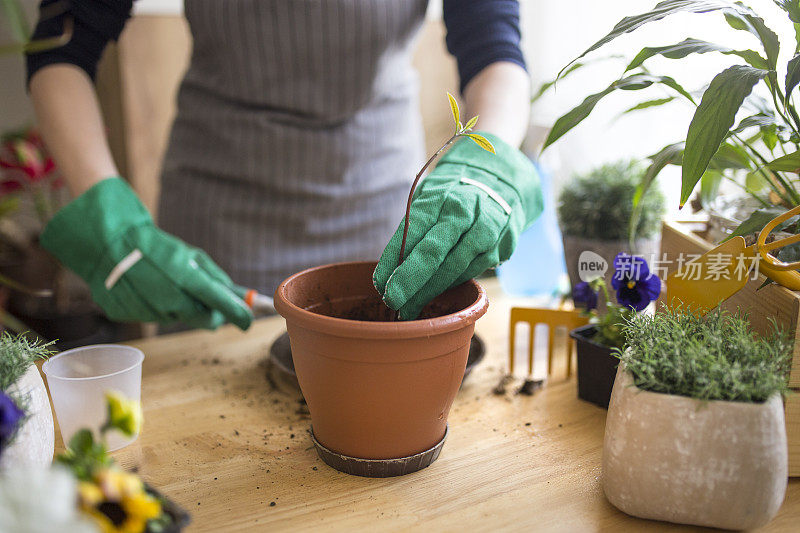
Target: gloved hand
136,271
465,218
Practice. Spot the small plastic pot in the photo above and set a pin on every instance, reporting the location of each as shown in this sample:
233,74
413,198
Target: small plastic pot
378,391
597,367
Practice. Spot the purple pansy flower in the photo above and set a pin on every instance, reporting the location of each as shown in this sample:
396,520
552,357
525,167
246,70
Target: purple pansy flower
636,286
583,295
10,417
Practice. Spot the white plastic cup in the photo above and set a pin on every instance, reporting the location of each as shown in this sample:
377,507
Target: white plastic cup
78,380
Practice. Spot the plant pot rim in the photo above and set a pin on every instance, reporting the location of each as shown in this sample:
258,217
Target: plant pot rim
47,364
626,380
364,329
578,335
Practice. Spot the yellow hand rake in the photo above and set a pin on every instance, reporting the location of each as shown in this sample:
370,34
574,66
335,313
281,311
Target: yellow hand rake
557,321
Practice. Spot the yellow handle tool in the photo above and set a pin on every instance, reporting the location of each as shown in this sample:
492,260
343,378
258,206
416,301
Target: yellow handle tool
705,282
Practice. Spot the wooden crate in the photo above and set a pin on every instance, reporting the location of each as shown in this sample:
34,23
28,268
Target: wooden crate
771,302
793,431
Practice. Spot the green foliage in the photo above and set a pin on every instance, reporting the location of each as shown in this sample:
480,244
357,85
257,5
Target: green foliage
599,204
464,130
608,326
714,148
84,456
715,357
634,82
17,354
713,119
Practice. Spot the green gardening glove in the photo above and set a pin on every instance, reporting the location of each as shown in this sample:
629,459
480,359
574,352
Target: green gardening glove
136,271
465,218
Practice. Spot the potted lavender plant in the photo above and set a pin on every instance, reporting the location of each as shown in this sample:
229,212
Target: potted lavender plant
26,420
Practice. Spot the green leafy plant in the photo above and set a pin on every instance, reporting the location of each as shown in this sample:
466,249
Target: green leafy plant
598,205
17,354
113,499
461,130
715,357
764,145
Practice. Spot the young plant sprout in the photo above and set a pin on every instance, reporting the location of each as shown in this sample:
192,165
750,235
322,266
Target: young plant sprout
461,130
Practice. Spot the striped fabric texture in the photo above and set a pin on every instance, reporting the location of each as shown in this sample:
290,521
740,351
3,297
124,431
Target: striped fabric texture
297,134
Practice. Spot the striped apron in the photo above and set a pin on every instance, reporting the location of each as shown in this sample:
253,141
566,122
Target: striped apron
297,134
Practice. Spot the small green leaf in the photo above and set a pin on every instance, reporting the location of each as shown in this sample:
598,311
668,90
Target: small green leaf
569,70
709,186
648,103
759,120
786,163
471,123
16,20
792,75
769,134
730,156
481,141
792,7
755,182
81,442
665,9
713,119
695,46
454,109
745,19
757,220
671,154
577,114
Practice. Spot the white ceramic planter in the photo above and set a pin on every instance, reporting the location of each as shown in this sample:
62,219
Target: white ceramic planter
717,464
34,442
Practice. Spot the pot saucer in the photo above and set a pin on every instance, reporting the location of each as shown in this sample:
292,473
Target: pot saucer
280,353
379,467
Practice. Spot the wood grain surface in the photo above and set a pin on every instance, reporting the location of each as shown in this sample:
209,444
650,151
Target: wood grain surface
226,443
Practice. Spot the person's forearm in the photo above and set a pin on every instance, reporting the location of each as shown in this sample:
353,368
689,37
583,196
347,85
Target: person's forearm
500,94
69,119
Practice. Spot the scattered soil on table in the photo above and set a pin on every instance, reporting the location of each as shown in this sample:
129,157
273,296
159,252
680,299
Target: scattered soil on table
500,388
530,386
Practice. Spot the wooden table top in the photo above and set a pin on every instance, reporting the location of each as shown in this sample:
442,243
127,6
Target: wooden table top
233,448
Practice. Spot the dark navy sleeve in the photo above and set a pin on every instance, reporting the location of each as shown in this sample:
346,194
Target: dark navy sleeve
95,22
482,32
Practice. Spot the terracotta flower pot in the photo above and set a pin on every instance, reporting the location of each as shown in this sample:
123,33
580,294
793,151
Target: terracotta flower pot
34,442
376,389
707,463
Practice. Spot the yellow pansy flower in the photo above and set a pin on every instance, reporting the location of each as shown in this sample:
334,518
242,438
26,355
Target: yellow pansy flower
117,502
123,414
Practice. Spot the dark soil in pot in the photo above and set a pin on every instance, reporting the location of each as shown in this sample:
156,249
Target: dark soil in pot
376,389
370,308
597,367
